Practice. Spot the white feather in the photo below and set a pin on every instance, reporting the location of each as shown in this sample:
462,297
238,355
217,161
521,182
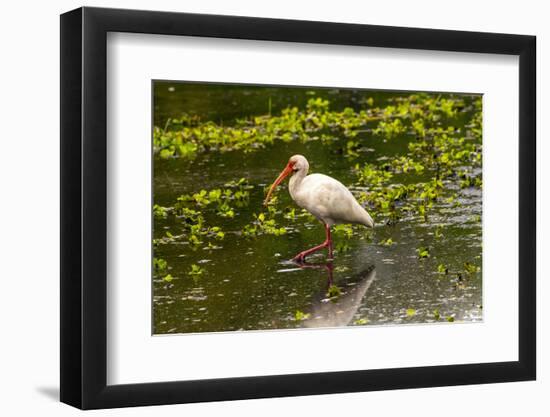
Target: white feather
325,197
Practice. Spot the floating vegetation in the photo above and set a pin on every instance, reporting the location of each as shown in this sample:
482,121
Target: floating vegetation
263,225
334,291
387,242
300,315
442,269
195,270
160,212
390,128
471,268
160,265
420,114
345,230
423,253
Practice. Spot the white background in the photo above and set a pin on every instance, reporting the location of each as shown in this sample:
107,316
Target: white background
30,174
134,356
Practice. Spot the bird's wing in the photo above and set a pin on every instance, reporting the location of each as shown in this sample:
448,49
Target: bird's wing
328,199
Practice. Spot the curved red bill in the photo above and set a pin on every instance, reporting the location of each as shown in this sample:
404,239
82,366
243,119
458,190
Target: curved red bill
280,178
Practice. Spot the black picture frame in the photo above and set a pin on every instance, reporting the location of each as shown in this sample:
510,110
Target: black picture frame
84,207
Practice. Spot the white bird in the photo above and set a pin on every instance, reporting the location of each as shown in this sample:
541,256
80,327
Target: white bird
324,197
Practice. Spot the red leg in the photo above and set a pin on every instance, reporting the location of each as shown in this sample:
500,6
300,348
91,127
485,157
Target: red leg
327,243
329,239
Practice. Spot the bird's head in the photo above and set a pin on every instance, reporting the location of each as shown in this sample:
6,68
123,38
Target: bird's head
296,163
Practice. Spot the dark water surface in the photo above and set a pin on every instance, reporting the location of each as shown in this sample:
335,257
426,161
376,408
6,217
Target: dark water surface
250,283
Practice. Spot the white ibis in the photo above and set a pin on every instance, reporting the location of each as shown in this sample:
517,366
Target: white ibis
324,197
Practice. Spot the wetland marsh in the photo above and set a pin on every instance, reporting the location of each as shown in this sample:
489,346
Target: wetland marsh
221,259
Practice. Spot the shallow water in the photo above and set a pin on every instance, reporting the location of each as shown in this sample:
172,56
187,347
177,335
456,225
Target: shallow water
249,283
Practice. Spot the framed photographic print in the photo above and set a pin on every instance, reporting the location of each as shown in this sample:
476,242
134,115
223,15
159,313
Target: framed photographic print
258,208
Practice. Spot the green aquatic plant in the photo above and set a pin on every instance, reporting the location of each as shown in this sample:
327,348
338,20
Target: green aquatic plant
187,215
250,230
289,213
224,210
160,212
263,225
352,147
242,184
423,253
269,227
195,270
216,232
471,268
344,230
404,164
215,195
186,137
371,175
470,180
342,247
475,218
160,265
419,128
334,291
300,315
201,198
390,129
241,196
194,240
447,107
166,239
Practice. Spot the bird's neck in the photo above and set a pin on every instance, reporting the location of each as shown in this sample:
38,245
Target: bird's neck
296,181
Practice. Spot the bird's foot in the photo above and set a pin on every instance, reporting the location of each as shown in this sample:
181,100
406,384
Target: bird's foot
300,258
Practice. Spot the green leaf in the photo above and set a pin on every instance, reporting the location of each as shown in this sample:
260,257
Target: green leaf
423,253
334,291
471,268
195,270
300,315
159,265
166,153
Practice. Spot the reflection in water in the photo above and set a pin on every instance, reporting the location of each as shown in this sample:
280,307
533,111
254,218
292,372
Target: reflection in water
338,310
